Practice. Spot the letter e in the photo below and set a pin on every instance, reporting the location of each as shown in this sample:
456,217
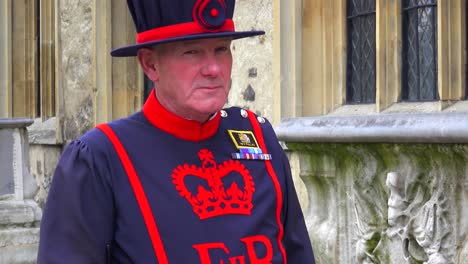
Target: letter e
203,250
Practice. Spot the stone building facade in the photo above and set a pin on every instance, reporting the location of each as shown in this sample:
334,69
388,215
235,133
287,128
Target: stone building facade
375,125
382,178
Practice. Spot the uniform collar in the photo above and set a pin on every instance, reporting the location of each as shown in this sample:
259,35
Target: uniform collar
178,126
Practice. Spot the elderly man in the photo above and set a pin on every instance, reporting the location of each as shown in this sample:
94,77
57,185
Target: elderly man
183,180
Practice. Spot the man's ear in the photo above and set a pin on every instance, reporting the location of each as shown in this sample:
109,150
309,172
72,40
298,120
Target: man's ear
148,61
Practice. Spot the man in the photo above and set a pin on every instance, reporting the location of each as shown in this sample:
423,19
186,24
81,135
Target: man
181,181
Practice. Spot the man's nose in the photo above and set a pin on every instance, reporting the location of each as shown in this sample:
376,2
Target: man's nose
211,66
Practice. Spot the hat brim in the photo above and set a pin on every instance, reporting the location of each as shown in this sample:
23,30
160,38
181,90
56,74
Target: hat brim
132,50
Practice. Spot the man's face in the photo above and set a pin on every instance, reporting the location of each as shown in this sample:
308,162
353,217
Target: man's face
192,78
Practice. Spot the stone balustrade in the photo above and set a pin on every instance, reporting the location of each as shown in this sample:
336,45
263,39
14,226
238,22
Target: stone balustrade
387,188
19,213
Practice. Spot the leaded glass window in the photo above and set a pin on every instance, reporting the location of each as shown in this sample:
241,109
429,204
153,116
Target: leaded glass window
419,50
361,71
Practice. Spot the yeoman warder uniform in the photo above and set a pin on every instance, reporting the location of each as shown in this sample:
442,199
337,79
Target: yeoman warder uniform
157,188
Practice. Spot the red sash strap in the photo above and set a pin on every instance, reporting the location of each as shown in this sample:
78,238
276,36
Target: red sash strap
139,194
279,197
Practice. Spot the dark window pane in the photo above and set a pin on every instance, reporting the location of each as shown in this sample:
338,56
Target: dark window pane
361,52
419,50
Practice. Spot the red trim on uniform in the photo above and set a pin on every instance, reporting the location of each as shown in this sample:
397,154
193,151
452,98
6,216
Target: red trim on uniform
258,132
179,30
139,194
178,126
203,250
250,244
200,13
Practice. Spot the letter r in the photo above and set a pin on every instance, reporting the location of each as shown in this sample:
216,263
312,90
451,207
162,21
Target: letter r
254,259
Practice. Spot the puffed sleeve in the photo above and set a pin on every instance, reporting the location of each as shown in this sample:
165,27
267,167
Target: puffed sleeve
77,222
296,238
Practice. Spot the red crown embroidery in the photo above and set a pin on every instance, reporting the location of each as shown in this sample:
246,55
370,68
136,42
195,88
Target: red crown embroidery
218,200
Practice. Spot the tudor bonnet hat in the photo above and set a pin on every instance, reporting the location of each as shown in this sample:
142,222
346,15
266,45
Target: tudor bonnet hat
162,21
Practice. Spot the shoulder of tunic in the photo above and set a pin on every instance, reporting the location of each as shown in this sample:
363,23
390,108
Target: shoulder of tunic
94,152
239,116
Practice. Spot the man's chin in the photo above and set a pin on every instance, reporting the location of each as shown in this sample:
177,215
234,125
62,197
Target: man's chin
209,106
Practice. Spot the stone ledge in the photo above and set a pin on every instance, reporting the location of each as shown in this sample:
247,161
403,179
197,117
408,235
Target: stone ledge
19,236
385,128
43,132
21,254
19,213
15,122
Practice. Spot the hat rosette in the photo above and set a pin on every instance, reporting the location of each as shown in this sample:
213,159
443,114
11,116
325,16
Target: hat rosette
210,14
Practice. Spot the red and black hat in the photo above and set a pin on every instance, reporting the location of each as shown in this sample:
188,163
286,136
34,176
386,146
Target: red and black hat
162,21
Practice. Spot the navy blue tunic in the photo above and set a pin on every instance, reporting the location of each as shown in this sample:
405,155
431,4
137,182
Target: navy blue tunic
207,206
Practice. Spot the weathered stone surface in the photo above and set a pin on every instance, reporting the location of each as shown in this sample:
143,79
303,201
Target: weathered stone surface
253,72
6,161
44,159
14,161
249,94
43,132
80,121
253,53
389,188
428,127
19,254
19,216
385,203
19,212
18,236
76,32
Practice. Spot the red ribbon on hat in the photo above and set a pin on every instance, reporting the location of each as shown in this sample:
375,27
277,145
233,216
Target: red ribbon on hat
179,30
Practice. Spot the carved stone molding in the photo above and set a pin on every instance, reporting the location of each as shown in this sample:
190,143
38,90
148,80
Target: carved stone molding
385,202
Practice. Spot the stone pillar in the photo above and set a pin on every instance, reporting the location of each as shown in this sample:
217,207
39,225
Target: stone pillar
19,214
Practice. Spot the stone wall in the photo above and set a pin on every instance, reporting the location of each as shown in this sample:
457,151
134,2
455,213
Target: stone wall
76,90
386,203
252,73
383,196
44,153
77,70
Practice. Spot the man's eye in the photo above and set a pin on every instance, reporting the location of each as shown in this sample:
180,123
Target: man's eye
221,49
190,52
